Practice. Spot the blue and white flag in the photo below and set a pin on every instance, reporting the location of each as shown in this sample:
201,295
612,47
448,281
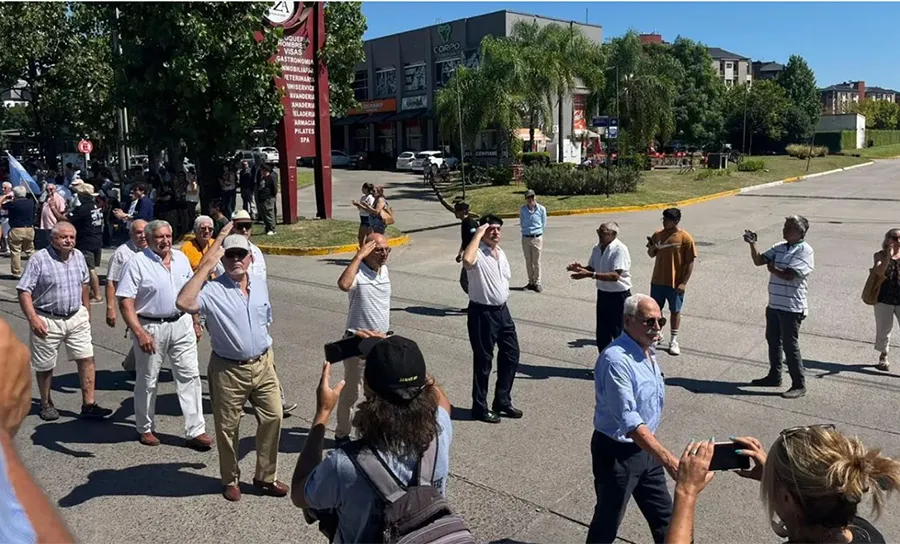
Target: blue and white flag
19,176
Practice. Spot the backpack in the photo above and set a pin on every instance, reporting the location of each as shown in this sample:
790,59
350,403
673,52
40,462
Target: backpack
413,514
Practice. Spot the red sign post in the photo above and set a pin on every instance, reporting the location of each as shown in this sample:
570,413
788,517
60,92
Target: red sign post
305,129
85,146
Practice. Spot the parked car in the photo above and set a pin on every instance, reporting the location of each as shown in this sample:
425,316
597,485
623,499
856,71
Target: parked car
268,154
418,165
339,159
405,160
243,155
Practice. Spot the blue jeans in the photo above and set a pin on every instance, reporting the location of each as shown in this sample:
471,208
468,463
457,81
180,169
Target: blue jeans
663,293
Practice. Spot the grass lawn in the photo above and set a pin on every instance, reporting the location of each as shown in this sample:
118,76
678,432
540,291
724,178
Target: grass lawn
878,152
658,186
313,233
304,178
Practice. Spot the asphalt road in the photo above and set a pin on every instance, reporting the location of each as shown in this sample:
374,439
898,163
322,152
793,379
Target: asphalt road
527,480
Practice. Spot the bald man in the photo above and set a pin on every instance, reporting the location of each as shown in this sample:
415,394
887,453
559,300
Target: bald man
136,243
368,286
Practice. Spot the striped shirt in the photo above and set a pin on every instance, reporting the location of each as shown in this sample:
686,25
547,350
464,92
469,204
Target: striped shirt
14,523
370,300
55,285
790,295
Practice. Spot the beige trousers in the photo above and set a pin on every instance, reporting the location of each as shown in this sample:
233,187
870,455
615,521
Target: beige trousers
884,323
20,239
230,386
531,247
354,368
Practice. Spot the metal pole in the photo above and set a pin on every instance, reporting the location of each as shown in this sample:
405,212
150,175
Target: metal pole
120,115
744,137
462,151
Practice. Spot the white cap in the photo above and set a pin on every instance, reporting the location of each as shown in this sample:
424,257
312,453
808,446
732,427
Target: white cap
236,241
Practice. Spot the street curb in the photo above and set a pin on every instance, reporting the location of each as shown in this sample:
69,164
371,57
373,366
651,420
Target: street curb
326,250
689,201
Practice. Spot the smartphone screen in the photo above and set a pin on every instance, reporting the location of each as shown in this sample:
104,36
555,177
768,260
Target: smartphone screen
342,349
725,457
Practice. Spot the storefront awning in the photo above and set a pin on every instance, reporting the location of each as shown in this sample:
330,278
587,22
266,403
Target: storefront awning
349,120
376,118
408,114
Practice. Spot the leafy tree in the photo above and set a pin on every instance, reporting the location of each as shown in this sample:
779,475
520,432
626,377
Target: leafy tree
880,114
344,28
799,84
763,106
699,94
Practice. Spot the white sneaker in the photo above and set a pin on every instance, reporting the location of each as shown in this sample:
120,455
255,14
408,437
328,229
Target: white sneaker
270,233
673,347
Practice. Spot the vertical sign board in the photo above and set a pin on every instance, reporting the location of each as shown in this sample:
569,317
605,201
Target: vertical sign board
305,129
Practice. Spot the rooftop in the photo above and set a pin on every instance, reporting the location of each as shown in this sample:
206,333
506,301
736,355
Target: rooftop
880,90
770,66
721,54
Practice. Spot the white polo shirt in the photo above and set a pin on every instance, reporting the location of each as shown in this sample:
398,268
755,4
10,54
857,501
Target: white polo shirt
120,258
489,278
258,266
153,287
614,257
370,300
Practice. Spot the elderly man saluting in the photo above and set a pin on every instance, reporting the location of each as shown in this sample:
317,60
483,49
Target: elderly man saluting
53,294
627,458
241,366
150,283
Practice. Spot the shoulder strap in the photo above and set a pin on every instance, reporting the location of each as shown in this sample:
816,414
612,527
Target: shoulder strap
426,465
376,472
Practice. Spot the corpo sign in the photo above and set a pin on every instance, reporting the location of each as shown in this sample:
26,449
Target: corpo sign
446,48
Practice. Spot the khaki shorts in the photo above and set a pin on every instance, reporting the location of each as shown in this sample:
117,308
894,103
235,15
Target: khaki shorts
74,332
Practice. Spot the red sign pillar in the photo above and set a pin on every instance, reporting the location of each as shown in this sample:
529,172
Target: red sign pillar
323,121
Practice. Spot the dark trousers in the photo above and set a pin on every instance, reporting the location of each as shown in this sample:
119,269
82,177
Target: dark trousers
782,331
246,200
265,207
610,316
229,200
489,326
464,280
623,470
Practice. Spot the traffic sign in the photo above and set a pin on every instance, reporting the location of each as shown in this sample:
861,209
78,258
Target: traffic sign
612,132
601,121
85,146
614,121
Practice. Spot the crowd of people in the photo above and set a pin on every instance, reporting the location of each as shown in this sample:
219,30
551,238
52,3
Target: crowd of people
386,476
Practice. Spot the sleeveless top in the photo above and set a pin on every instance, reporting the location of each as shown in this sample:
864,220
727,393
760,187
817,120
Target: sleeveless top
890,289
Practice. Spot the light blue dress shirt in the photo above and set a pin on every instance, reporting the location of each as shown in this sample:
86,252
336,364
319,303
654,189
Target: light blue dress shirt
533,222
238,325
14,523
629,389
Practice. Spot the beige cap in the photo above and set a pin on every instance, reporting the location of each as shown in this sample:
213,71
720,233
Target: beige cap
236,241
241,215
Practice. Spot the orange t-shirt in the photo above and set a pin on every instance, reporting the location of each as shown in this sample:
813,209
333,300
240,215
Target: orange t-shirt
193,252
676,252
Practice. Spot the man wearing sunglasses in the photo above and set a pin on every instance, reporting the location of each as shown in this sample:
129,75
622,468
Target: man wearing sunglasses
241,366
627,458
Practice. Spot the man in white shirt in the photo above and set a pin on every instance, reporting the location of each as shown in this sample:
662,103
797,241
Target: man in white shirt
490,323
124,253
368,287
609,266
147,292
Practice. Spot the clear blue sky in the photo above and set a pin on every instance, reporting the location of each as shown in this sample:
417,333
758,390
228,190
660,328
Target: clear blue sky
840,41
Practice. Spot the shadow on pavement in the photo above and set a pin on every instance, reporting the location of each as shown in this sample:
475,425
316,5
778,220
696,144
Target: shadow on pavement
152,480
104,380
508,541
539,372
583,343
59,435
292,441
833,369
461,414
431,312
337,262
722,388
166,405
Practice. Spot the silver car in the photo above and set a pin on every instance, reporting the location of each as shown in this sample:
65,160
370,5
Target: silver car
405,160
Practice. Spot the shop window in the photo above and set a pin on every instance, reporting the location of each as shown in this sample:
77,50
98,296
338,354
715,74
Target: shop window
361,85
385,133
360,140
415,78
385,82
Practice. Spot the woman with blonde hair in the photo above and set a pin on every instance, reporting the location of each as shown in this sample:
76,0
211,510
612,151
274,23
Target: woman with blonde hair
812,482
886,266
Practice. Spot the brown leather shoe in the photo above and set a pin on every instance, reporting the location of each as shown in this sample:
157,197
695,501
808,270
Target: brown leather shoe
232,493
272,489
148,439
201,442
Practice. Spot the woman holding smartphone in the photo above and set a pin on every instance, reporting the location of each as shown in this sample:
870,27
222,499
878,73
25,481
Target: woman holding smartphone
887,266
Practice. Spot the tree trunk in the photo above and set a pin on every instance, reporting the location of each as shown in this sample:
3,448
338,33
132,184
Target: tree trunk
531,131
559,130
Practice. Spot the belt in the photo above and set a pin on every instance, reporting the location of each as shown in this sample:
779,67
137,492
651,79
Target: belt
249,361
479,306
167,319
532,235
56,315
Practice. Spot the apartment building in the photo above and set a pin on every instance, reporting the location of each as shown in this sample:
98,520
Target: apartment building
734,69
836,99
877,93
766,70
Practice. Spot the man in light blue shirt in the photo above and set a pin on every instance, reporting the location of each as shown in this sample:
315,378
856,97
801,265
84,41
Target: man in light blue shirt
241,365
533,221
627,458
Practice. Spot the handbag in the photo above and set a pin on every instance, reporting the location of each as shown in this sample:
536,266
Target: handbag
872,288
387,215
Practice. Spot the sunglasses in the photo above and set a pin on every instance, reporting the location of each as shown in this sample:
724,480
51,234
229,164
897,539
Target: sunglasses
243,226
206,229
787,433
650,321
793,431
238,255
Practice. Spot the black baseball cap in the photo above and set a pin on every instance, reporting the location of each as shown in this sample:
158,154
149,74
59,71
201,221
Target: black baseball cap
395,368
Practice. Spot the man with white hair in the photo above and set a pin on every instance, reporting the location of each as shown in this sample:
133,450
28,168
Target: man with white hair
53,295
21,227
147,292
137,242
627,458
195,248
609,266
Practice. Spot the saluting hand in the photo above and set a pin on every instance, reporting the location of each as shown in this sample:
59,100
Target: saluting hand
366,249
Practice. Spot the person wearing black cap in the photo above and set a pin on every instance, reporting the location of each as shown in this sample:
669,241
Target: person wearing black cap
467,230
265,197
490,323
404,413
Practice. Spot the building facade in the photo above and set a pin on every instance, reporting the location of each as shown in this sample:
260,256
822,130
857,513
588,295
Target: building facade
734,69
762,70
397,85
836,99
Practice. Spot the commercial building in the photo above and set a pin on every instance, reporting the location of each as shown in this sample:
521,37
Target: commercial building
397,85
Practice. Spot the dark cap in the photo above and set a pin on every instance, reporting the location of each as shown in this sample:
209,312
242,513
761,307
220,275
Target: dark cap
461,206
395,368
529,193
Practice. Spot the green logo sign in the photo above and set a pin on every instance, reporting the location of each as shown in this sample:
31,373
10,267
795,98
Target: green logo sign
445,31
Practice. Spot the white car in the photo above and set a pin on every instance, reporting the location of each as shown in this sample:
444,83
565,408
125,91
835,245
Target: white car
339,158
405,160
268,154
434,157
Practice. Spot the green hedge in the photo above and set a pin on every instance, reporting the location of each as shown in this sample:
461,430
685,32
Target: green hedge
836,141
802,151
557,181
882,137
751,165
639,161
500,175
536,158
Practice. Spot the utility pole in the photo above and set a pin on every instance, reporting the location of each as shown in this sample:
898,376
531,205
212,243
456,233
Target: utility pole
121,115
744,137
462,150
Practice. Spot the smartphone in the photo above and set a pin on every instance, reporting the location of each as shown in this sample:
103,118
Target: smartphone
725,457
750,236
344,348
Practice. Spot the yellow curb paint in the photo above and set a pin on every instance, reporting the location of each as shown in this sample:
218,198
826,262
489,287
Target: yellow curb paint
327,250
